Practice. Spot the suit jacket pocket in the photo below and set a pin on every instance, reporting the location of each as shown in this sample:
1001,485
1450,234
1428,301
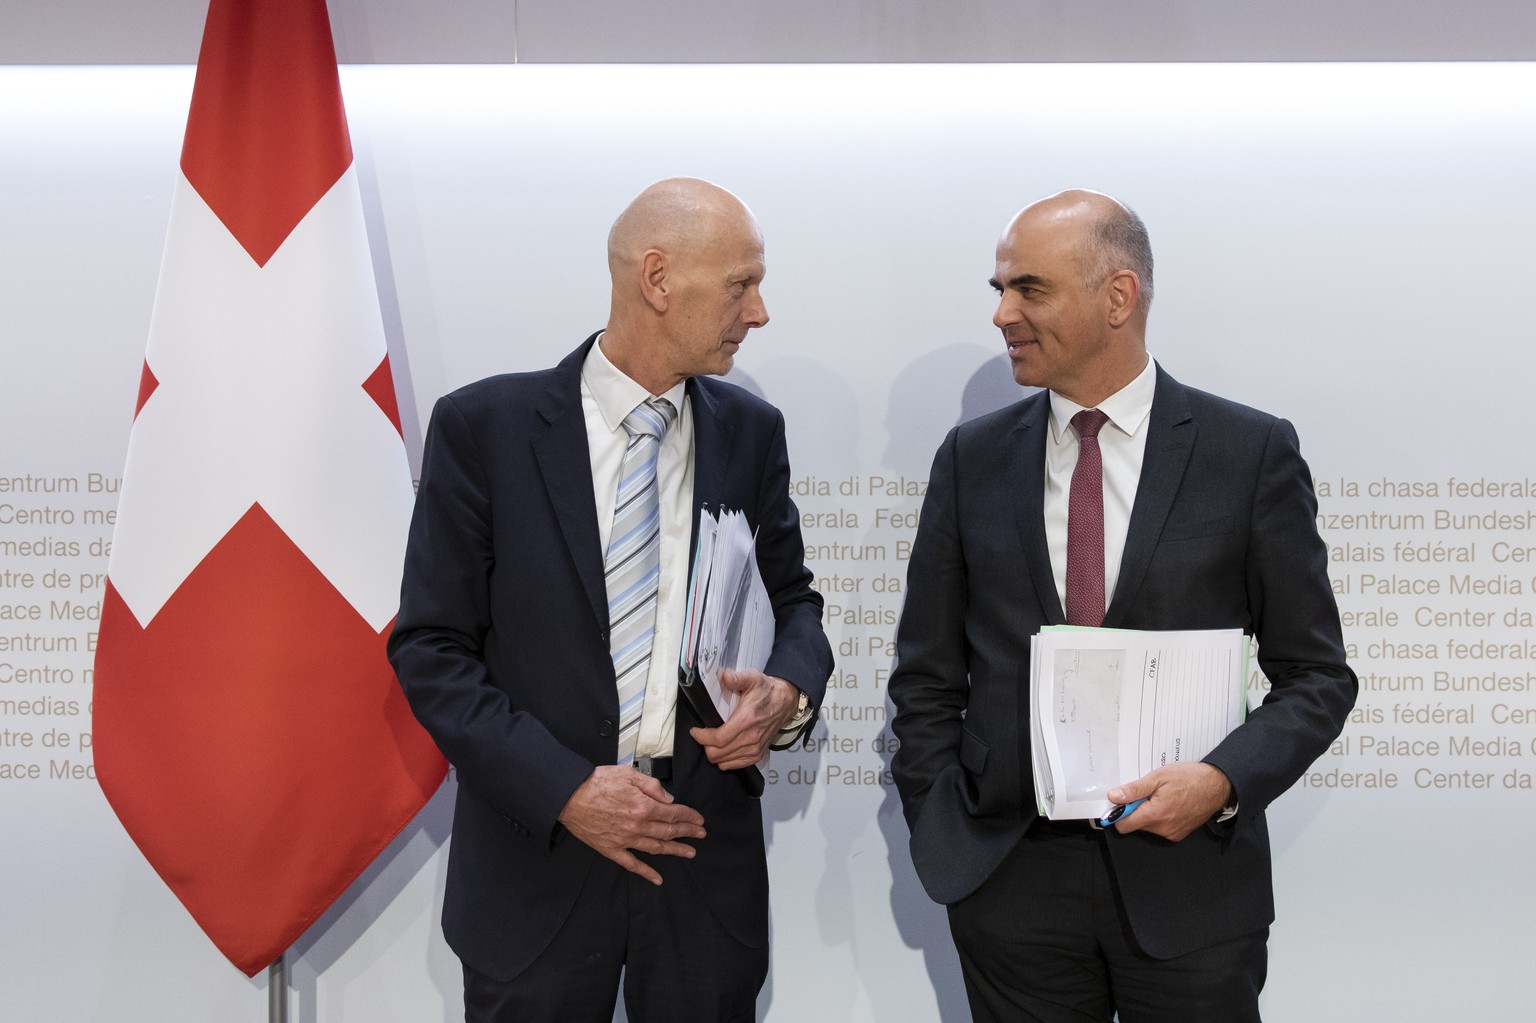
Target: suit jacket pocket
1196,528
984,793
973,752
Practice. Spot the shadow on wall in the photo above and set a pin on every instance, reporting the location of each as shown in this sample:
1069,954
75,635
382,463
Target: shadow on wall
922,407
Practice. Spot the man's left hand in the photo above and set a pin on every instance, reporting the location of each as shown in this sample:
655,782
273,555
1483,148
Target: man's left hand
766,703
1179,799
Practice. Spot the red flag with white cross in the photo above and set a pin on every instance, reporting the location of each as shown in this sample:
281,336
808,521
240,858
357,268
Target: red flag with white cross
248,730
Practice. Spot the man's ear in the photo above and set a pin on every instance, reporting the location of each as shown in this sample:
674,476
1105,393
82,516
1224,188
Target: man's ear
654,282
1124,288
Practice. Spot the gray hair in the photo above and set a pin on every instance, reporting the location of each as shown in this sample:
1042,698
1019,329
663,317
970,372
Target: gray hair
1119,241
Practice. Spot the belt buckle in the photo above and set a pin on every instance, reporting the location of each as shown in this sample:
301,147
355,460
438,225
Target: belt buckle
646,766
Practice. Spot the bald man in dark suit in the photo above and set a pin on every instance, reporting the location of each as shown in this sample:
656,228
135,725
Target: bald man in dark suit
1207,522
601,828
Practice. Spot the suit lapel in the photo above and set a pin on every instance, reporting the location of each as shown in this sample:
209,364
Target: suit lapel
565,462
712,437
1027,480
1171,435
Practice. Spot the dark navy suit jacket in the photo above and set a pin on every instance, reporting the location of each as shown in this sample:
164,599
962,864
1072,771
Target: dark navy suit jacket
501,645
1222,535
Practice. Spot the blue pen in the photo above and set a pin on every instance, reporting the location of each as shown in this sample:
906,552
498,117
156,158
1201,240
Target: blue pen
1119,813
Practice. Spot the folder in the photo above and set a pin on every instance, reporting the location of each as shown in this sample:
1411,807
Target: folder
729,620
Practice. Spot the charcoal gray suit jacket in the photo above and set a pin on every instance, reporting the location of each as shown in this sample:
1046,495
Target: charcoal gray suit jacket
1222,535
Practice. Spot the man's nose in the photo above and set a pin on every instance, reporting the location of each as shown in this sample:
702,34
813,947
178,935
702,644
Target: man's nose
757,311
1006,314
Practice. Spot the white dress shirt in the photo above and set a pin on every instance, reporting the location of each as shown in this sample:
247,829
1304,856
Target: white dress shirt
607,397
1123,446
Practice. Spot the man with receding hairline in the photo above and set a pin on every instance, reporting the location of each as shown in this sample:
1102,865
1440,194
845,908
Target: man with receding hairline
599,826
1204,512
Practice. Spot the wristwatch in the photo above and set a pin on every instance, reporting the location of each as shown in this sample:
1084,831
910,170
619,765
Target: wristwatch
802,714
797,725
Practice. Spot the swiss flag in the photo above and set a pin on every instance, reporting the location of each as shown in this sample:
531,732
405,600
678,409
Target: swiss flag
248,730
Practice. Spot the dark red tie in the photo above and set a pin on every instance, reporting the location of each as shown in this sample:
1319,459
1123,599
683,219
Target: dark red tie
1085,524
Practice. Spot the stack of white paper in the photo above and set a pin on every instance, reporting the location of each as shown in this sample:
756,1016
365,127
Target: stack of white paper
1110,705
730,620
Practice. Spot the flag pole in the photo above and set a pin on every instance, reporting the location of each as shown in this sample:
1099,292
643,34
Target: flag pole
277,990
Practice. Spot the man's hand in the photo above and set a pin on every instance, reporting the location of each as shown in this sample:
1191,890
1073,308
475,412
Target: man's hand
766,704
1179,799
618,809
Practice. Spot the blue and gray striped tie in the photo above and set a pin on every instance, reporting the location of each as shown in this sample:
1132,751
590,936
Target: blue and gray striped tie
632,567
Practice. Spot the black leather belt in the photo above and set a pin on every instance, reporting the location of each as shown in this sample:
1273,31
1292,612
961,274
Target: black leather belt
659,768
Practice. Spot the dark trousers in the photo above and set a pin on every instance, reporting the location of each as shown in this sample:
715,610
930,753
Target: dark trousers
678,964
1045,940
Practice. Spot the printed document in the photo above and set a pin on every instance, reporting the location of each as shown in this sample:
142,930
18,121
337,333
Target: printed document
1109,705
730,619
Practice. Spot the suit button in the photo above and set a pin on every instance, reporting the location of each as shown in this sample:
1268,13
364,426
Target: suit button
605,727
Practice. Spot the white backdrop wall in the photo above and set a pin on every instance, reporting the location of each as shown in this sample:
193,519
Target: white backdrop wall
1347,245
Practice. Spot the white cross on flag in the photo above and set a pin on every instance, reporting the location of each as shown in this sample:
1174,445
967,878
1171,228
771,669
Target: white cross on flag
248,730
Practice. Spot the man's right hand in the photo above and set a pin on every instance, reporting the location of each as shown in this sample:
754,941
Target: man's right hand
618,809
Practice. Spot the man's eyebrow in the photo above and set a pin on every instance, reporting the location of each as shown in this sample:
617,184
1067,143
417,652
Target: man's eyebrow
1021,281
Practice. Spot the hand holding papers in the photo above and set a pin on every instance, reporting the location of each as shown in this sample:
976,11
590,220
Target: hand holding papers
1109,706
730,619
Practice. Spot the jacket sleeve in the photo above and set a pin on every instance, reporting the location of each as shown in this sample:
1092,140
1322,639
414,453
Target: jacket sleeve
438,646
1296,622
930,684
801,654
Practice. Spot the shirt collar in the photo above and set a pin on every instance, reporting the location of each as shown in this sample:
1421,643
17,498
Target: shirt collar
616,394
1127,408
